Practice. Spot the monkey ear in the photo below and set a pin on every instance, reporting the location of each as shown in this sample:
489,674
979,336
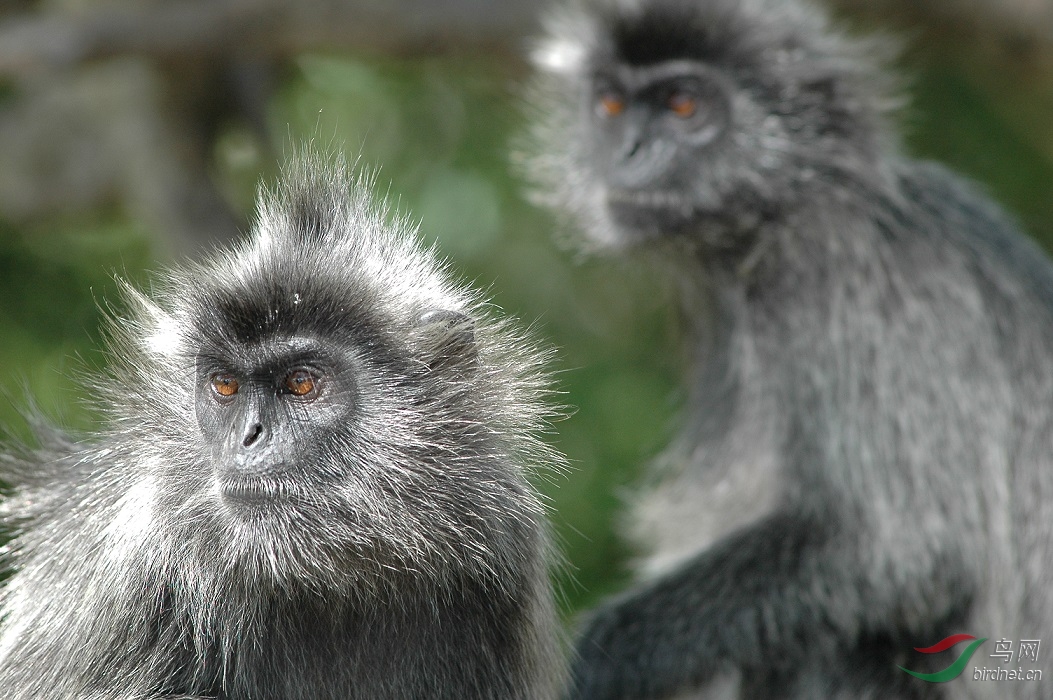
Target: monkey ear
446,338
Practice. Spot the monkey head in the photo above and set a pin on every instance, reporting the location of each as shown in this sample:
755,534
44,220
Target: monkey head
321,405
697,119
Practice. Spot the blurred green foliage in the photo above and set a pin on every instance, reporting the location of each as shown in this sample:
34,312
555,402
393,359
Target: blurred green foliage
959,119
55,282
440,130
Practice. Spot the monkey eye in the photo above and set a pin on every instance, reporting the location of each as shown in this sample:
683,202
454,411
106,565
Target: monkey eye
224,385
683,105
610,104
301,382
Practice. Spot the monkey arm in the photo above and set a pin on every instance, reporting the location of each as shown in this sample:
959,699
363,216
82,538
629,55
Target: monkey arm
754,600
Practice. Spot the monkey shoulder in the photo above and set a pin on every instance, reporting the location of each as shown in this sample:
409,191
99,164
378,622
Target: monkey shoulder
961,213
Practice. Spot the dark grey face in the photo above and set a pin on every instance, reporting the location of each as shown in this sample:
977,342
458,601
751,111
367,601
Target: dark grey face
655,126
269,416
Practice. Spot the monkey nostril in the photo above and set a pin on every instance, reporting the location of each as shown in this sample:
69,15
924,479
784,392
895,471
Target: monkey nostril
252,435
631,149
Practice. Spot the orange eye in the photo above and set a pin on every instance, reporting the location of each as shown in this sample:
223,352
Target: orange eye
610,104
224,385
683,105
300,382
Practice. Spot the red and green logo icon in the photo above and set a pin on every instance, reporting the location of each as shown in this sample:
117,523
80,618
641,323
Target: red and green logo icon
955,669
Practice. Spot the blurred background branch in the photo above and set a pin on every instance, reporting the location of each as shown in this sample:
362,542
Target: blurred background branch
156,80
1024,24
66,36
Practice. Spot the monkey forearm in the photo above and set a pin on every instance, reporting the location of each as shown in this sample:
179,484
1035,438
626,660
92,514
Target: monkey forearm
749,600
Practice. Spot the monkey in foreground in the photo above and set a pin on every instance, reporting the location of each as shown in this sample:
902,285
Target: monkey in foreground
865,463
311,483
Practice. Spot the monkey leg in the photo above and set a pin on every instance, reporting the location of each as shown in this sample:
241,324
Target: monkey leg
776,602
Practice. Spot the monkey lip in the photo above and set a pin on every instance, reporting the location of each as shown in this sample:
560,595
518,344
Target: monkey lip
648,199
648,214
647,210
252,491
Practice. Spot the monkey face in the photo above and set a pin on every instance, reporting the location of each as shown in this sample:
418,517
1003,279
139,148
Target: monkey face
653,129
267,414
318,416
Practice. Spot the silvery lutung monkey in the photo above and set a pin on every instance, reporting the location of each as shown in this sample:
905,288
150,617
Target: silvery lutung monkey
865,462
310,482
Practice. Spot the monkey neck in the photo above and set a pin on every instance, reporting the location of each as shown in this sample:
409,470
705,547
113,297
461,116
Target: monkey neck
298,643
745,316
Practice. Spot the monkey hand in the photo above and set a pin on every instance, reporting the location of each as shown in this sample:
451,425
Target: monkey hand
602,669
619,656
744,599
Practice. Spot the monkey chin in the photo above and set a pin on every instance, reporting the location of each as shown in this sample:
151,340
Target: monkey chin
253,497
640,221
641,226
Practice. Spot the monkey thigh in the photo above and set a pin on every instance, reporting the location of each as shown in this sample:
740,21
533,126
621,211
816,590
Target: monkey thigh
867,672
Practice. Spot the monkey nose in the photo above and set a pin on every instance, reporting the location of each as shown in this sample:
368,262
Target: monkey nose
252,433
630,148
641,165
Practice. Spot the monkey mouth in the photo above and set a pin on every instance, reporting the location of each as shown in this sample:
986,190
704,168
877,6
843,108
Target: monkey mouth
649,199
252,492
648,214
